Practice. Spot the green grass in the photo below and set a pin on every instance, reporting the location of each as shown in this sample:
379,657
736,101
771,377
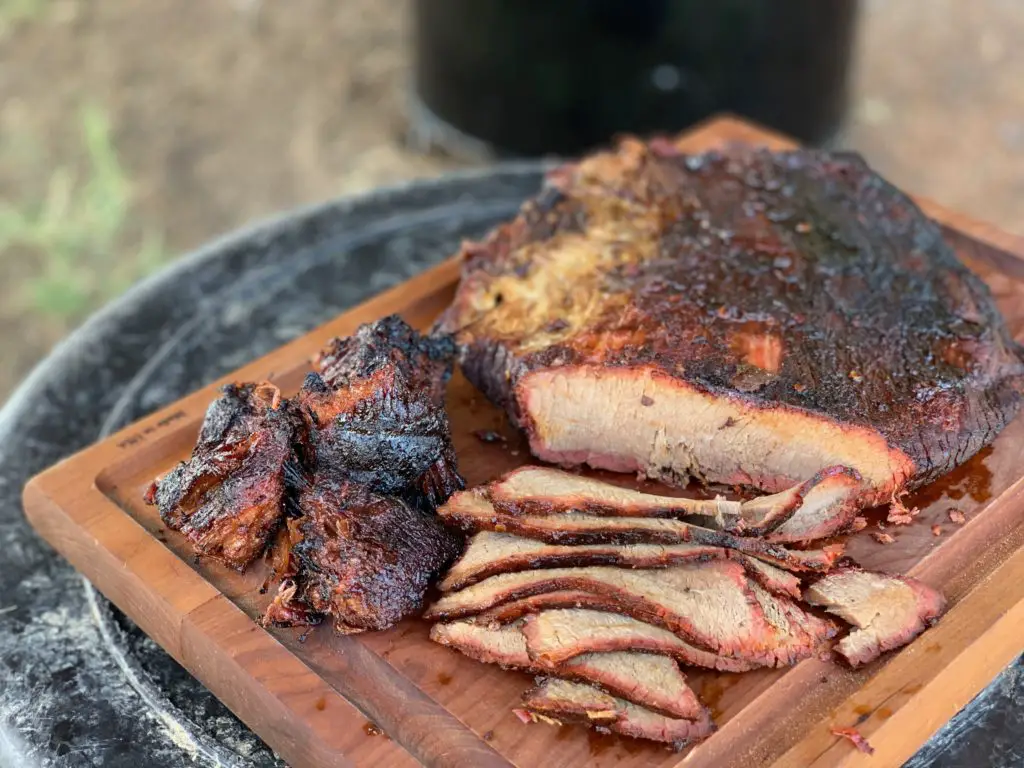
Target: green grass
14,12
79,232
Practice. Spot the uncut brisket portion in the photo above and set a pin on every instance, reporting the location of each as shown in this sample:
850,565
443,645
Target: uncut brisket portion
566,702
886,611
744,319
229,498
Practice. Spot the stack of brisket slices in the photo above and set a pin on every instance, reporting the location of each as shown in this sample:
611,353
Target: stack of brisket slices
604,593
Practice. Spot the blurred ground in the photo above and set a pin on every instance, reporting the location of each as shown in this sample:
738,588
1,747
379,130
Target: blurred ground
131,132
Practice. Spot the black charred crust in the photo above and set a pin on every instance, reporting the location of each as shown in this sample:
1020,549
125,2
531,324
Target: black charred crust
389,341
364,558
882,325
391,440
240,460
356,463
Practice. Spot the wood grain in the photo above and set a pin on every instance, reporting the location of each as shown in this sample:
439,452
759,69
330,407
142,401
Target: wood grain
313,701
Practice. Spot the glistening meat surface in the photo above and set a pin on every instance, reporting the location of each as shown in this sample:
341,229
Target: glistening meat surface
886,611
488,554
712,605
649,680
228,499
361,558
743,319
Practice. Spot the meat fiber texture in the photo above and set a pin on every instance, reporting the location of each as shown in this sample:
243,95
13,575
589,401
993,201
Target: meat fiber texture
887,612
748,318
347,474
228,498
562,569
713,606
559,701
489,553
822,506
471,511
362,558
649,680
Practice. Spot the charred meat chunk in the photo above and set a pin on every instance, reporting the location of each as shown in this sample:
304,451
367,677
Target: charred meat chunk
359,557
377,414
228,499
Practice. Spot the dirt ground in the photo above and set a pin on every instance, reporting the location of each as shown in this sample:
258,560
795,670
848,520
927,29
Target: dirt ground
131,132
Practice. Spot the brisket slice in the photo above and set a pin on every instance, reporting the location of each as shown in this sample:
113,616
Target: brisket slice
229,498
490,553
743,318
886,611
471,511
555,636
377,416
828,508
652,681
562,701
822,506
711,605
361,558
545,491
561,598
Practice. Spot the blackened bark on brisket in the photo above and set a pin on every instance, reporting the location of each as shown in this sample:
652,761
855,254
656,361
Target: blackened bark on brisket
701,308
357,463
361,558
377,412
229,498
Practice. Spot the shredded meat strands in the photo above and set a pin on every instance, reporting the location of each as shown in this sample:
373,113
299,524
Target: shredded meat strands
899,513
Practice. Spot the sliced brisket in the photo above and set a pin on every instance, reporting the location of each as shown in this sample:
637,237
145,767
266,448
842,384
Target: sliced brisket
652,681
473,512
748,318
543,491
566,702
828,508
557,635
886,611
711,605
490,553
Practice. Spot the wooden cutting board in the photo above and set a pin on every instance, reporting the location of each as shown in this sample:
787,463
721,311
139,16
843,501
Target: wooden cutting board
325,700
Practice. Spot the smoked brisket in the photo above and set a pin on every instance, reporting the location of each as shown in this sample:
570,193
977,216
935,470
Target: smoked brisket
652,681
229,498
745,318
887,612
559,701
